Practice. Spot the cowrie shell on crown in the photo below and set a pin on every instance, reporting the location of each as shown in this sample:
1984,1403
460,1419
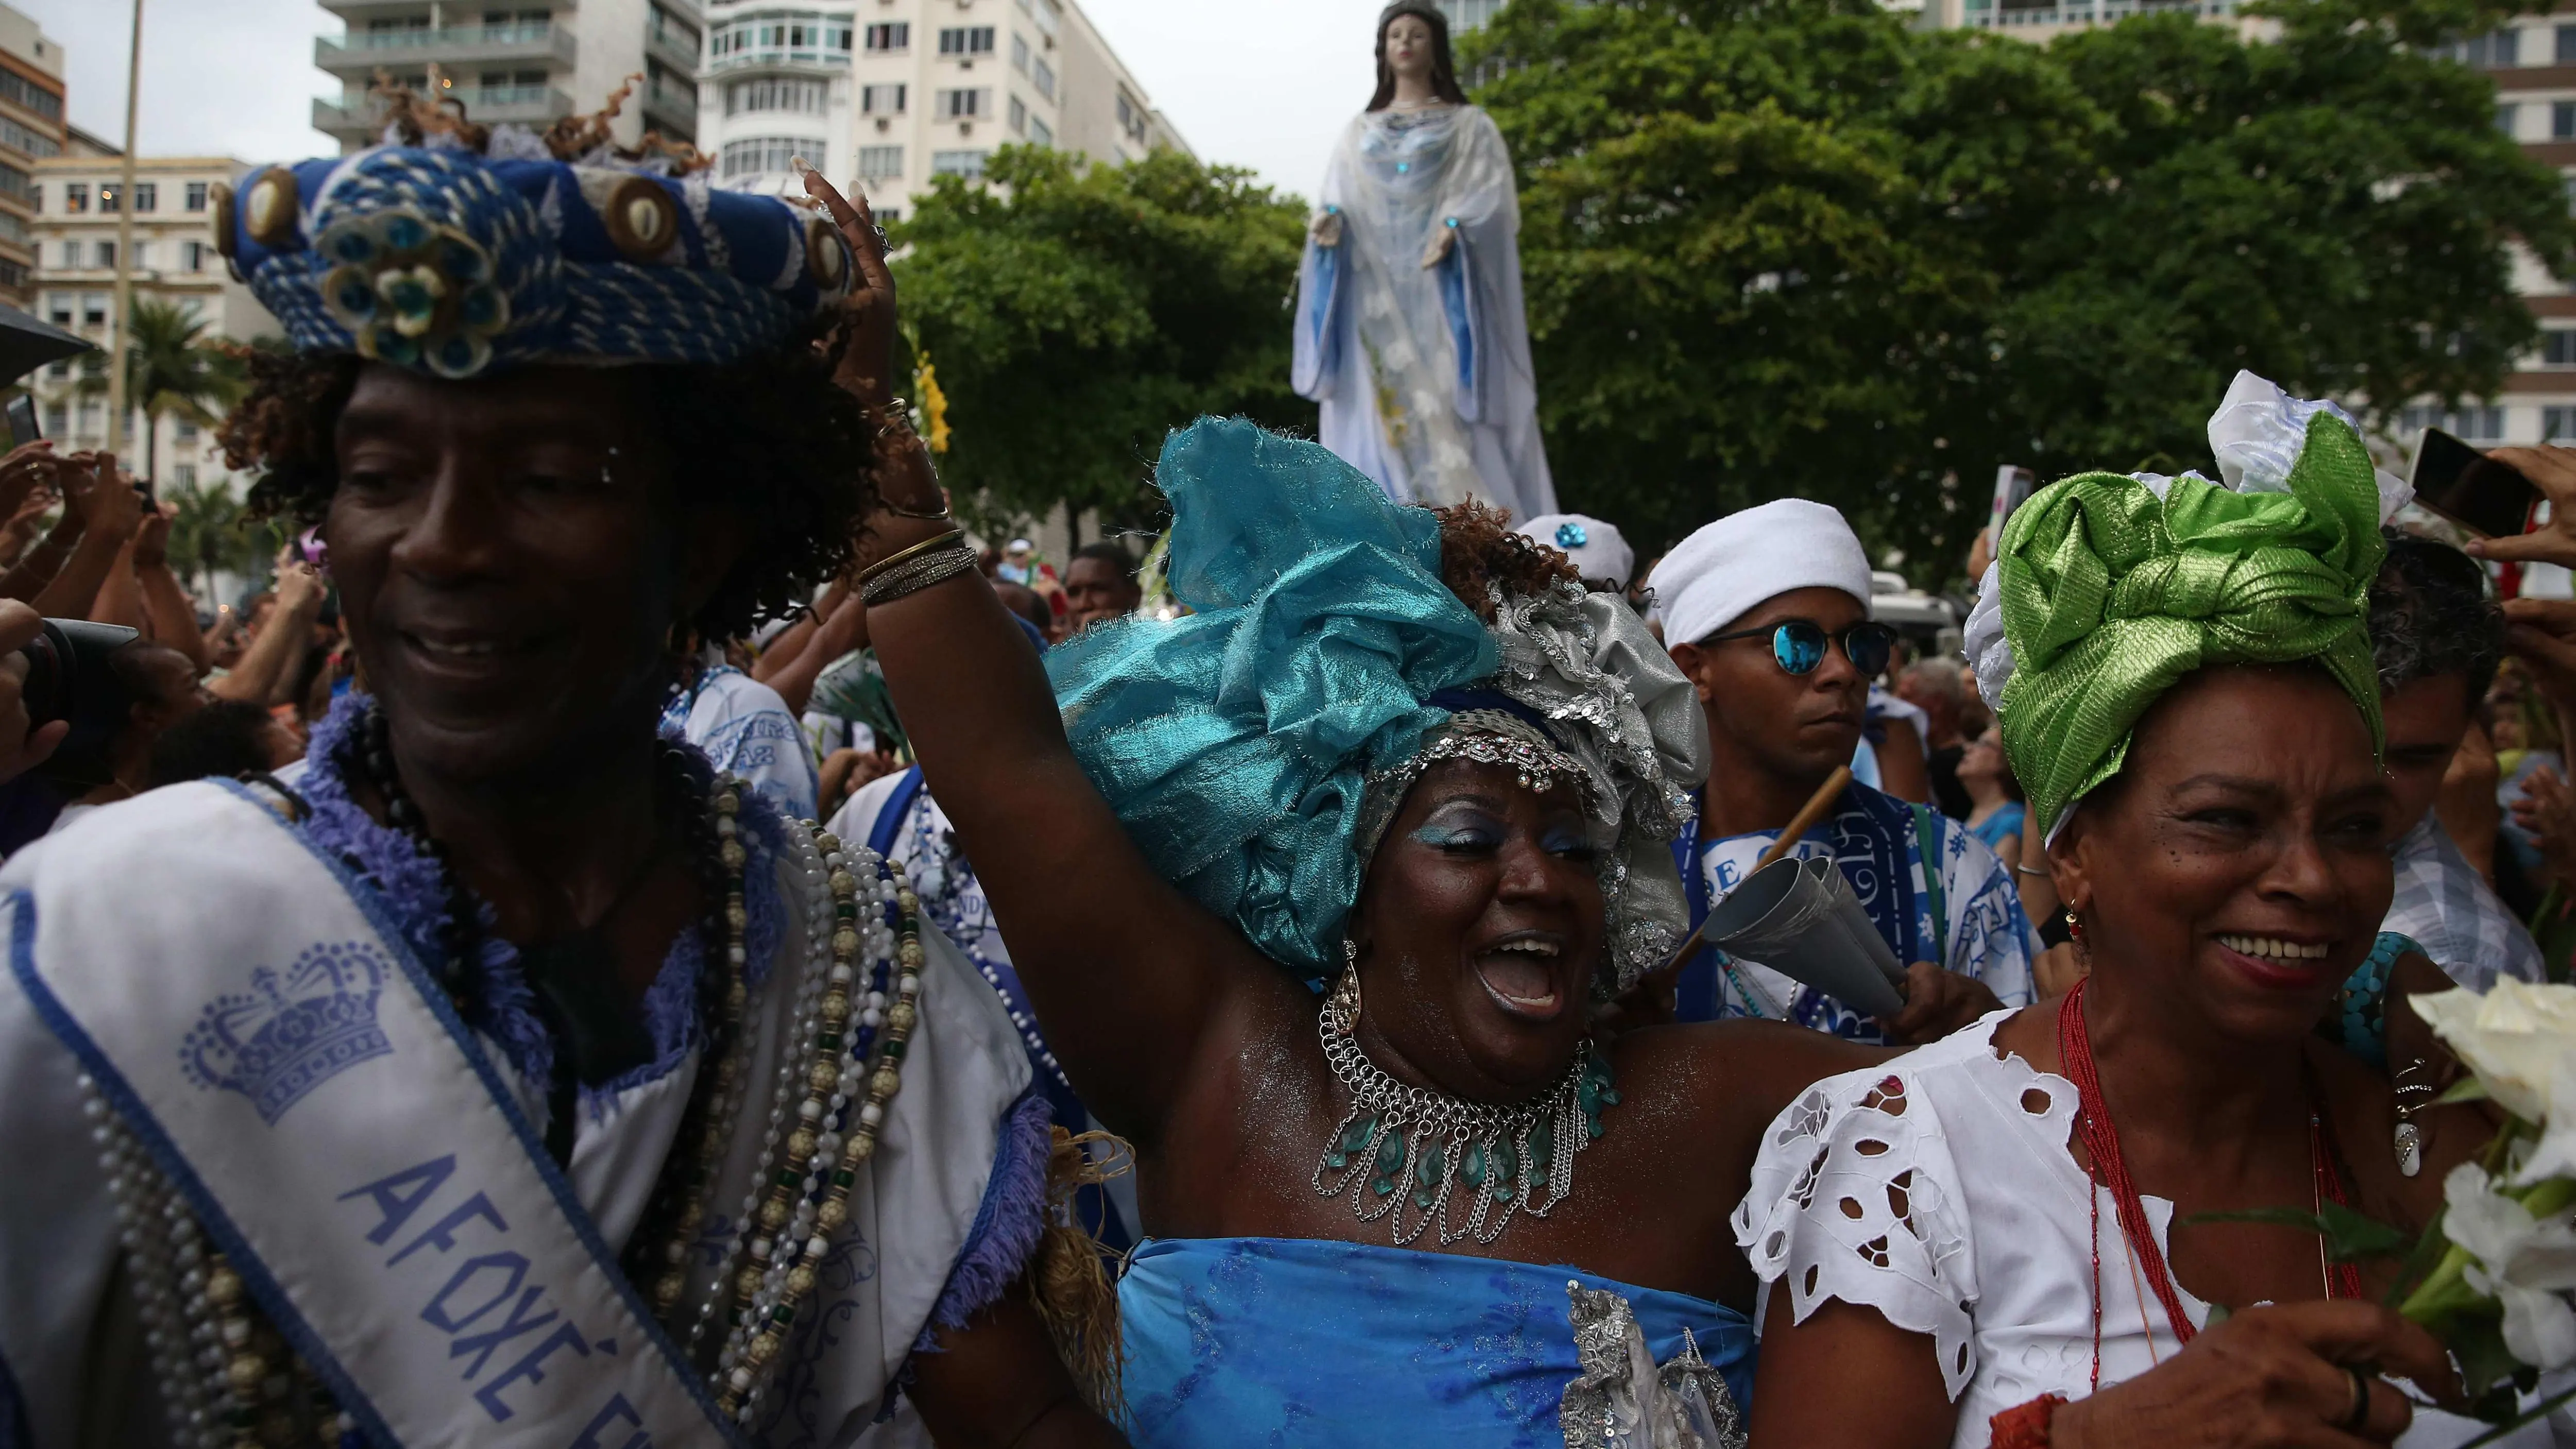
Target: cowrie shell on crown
268,208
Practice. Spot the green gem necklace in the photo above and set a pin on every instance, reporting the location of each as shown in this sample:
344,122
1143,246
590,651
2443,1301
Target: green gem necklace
1419,1158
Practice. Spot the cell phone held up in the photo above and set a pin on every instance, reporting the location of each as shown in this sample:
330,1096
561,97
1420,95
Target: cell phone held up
22,421
2469,488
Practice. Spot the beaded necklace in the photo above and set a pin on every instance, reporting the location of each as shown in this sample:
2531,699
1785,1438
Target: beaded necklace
2111,1169
943,875
229,1380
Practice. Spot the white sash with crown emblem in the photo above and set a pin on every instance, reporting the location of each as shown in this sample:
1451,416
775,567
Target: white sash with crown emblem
345,1140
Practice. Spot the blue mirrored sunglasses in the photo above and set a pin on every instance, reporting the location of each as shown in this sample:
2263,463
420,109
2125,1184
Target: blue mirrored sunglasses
1799,644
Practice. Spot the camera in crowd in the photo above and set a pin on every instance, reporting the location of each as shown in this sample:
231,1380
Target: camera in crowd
72,675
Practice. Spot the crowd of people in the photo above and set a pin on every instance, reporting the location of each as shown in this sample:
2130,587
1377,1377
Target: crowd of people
648,933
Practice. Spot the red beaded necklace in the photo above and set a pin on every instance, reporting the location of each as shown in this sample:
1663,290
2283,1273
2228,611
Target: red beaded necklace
2111,1168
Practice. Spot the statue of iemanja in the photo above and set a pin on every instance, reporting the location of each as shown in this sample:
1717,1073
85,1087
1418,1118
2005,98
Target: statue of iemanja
1410,329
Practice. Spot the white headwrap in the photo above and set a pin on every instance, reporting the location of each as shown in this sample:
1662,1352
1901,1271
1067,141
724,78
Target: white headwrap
1719,574
1598,550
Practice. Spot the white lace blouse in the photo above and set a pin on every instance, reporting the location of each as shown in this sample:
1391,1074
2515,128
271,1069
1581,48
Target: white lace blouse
1938,1189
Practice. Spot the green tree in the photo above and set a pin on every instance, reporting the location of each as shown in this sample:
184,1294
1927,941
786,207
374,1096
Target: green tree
171,368
212,533
1075,313
1797,247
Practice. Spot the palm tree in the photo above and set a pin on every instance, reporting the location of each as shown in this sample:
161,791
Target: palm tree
171,367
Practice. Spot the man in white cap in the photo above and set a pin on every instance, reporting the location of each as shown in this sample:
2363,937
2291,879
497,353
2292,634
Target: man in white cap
1599,553
1767,611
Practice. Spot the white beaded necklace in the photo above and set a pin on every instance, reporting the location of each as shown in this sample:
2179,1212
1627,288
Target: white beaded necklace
227,1378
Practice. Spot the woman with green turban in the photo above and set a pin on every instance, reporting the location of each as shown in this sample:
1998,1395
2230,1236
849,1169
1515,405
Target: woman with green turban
2003,1233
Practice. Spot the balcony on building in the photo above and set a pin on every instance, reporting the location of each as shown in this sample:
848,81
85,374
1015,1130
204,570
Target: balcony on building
356,115
1986,15
356,56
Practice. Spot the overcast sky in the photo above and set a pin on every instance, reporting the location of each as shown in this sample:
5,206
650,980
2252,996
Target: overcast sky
1265,84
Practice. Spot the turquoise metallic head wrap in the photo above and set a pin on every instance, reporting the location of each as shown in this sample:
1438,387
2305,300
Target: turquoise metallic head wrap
1237,743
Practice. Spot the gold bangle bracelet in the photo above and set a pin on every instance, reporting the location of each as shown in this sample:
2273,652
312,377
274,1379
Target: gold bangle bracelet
890,560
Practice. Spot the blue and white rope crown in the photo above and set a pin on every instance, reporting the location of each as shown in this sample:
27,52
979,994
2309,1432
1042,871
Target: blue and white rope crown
458,265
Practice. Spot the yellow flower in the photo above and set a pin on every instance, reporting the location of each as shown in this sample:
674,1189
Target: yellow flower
934,405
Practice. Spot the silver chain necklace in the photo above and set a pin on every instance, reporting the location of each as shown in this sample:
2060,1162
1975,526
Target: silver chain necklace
1401,1145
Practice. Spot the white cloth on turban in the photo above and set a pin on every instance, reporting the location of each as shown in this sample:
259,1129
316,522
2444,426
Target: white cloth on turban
1598,551
1721,573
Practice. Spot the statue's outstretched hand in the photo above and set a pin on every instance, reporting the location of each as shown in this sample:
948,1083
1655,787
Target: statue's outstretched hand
1326,229
1444,239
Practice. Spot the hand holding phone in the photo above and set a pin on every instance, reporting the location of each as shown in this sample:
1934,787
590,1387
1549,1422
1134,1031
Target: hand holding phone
2550,473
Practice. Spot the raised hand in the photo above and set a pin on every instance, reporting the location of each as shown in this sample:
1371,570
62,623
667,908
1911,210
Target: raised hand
867,330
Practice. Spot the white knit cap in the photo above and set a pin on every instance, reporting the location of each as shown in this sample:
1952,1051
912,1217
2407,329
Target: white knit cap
1596,547
1721,573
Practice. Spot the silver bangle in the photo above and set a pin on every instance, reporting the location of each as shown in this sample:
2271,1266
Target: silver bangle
915,574
2032,870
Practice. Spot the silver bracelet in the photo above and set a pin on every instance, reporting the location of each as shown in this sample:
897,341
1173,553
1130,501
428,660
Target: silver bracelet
915,574
2032,870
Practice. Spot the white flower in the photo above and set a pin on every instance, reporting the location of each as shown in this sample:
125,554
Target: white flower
2518,1038
2527,1266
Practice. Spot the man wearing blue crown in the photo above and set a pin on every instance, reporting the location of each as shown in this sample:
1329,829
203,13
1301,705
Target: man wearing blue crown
509,1078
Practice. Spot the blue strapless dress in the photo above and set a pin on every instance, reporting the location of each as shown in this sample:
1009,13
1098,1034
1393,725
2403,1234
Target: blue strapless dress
1290,1341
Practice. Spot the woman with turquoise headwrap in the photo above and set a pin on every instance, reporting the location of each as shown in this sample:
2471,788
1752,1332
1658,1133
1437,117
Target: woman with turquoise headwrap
1333,871
2005,1234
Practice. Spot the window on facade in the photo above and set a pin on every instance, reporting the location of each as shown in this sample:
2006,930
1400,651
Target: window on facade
108,200
881,163
963,105
143,256
20,138
75,193
882,100
891,35
777,94
58,419
18,184
93,310
103,254
2558,347
966,40
2566,45
192,256
1019,116
147,196
2558,425
760,155
196,197
72,253
1020,54
184,475
2475,425
1040,132
2507,116
1042,76
26,95
969,164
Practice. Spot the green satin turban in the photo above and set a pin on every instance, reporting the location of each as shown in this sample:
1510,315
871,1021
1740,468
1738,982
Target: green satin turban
2110,595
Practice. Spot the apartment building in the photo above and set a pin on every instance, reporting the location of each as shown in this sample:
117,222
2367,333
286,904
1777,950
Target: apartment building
895,92
527,62
32,129
2533,64
82,198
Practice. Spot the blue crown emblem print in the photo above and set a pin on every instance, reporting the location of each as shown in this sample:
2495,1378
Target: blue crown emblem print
294,1030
